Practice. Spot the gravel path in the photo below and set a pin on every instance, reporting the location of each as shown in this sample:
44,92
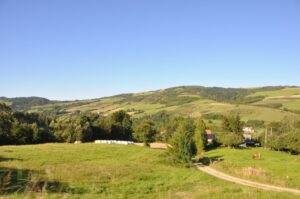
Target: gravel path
223,176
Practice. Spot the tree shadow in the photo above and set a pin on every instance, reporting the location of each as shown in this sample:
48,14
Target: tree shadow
209,160
29,181
211,147
2,159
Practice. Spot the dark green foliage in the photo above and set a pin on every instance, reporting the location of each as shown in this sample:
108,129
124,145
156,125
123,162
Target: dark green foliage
200,136
232,123
6,121
229,139
233,131
285,135
121,126
22,134
182,147
23,128
165,124
145,132
32,128
89,127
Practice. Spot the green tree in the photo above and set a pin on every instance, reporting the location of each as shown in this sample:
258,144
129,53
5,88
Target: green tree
200,136
121,126
230,139
145,132
233,123
233,130
182,147
22,133
6,120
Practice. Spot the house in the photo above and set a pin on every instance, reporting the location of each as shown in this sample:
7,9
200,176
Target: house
209,136
248,129
248,133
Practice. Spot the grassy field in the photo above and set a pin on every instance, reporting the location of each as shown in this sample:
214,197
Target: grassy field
277,168
279,93
107,171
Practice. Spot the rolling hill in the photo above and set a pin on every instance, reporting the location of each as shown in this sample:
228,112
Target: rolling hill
264,103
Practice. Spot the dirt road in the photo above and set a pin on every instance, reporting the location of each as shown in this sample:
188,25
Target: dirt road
223,176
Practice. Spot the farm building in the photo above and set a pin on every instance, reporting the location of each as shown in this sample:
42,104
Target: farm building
209,136
248,133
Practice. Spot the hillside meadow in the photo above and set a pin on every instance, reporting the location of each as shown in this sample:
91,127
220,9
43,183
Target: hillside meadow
274,167
108,171
265,103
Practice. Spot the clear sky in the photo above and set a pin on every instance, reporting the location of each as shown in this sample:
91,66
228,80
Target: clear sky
78,49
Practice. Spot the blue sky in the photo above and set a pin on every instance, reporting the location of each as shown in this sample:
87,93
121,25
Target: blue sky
71,49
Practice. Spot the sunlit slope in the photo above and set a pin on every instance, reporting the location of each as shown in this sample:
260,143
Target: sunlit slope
287,99
269,104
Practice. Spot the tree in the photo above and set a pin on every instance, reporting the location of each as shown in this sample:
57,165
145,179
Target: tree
200,136
6,120
230,139
232,123
171,127
145,132
233,128
182,147
287,124
22,133
293,141
121,126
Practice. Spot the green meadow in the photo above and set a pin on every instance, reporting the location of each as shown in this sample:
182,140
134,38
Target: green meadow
110,171
274,167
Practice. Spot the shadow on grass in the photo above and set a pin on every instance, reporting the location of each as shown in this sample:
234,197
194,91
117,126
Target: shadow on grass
9,159
209,160
212,147
28,181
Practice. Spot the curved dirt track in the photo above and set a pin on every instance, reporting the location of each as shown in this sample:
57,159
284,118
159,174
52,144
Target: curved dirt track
223,176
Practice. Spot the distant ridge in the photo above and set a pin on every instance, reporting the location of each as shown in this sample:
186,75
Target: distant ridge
266,103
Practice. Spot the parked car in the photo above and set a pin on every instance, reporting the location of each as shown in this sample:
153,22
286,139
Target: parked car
249,143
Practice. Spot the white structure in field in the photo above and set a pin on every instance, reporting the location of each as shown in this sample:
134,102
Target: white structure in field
248,129
113,142
248,133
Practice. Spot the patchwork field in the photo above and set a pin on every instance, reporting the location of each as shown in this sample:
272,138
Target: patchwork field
108,171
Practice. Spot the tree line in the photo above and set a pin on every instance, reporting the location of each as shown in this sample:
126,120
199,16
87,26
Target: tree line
33,128
186,136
